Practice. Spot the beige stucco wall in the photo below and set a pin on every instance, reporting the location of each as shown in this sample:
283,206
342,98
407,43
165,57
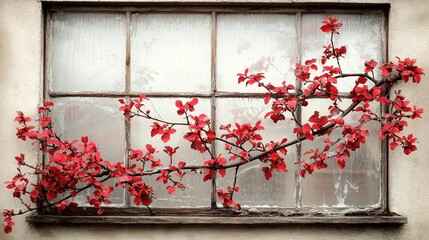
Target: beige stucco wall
20,89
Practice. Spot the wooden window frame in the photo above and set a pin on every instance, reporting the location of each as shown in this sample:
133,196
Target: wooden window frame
130,215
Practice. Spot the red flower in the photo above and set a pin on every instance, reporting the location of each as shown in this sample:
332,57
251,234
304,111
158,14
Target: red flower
226,197
407,69
20,159
306,168
126,108
219,161
46,106
21,118
408,143
417,112
45,121
135,154
369,66
330,25
386,69
162,130
7,214
318,122
170,151
142,193
302,72
305,131
250,79
188,106
139,101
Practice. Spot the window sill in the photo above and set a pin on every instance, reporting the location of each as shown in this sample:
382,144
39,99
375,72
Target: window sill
231,220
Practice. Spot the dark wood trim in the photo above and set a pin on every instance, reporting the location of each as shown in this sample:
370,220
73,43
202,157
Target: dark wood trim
124,94
217,94
127,123
224,212
128,54
298,112
210,9
186,220
213,103
47,55
231,6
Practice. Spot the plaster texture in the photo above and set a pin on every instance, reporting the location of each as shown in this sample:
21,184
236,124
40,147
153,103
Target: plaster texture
21,88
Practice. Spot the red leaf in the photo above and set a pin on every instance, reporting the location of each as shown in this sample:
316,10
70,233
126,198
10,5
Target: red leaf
321,164
222,172
267,98
341,163
136,201
267,173
181,165
208,175
194,101
171,189
165,137
146,201
51,195
302,173
7,229
48,104
34,194
310,168
100,211
393,145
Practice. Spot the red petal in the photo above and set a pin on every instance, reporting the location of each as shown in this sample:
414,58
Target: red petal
100,211
165,137
171,189
7,229
222,172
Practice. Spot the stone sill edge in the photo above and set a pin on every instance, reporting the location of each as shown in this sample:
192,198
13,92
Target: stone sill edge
186,220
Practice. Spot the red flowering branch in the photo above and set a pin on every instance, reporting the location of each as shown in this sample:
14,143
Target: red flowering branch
77,167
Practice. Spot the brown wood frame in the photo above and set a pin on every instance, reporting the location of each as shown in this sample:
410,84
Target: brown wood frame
207,220
214,9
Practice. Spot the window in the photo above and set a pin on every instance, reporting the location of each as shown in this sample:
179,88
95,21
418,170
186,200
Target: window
95,56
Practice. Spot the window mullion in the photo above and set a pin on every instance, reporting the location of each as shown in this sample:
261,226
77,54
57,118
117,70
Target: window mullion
384,204
128,98
128,54
47,64
298,113
213,100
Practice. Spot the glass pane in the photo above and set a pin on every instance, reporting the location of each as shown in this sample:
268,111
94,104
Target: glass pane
361,34
100,120
88,52
197,192
260,42
171,52
255,190
356,185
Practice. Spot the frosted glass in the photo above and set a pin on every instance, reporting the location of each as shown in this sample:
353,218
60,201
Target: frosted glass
358,184
260,42
171,52
255,190
100,120
197,192
361,34
88,52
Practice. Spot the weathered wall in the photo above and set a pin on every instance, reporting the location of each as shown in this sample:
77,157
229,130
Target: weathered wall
20,89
